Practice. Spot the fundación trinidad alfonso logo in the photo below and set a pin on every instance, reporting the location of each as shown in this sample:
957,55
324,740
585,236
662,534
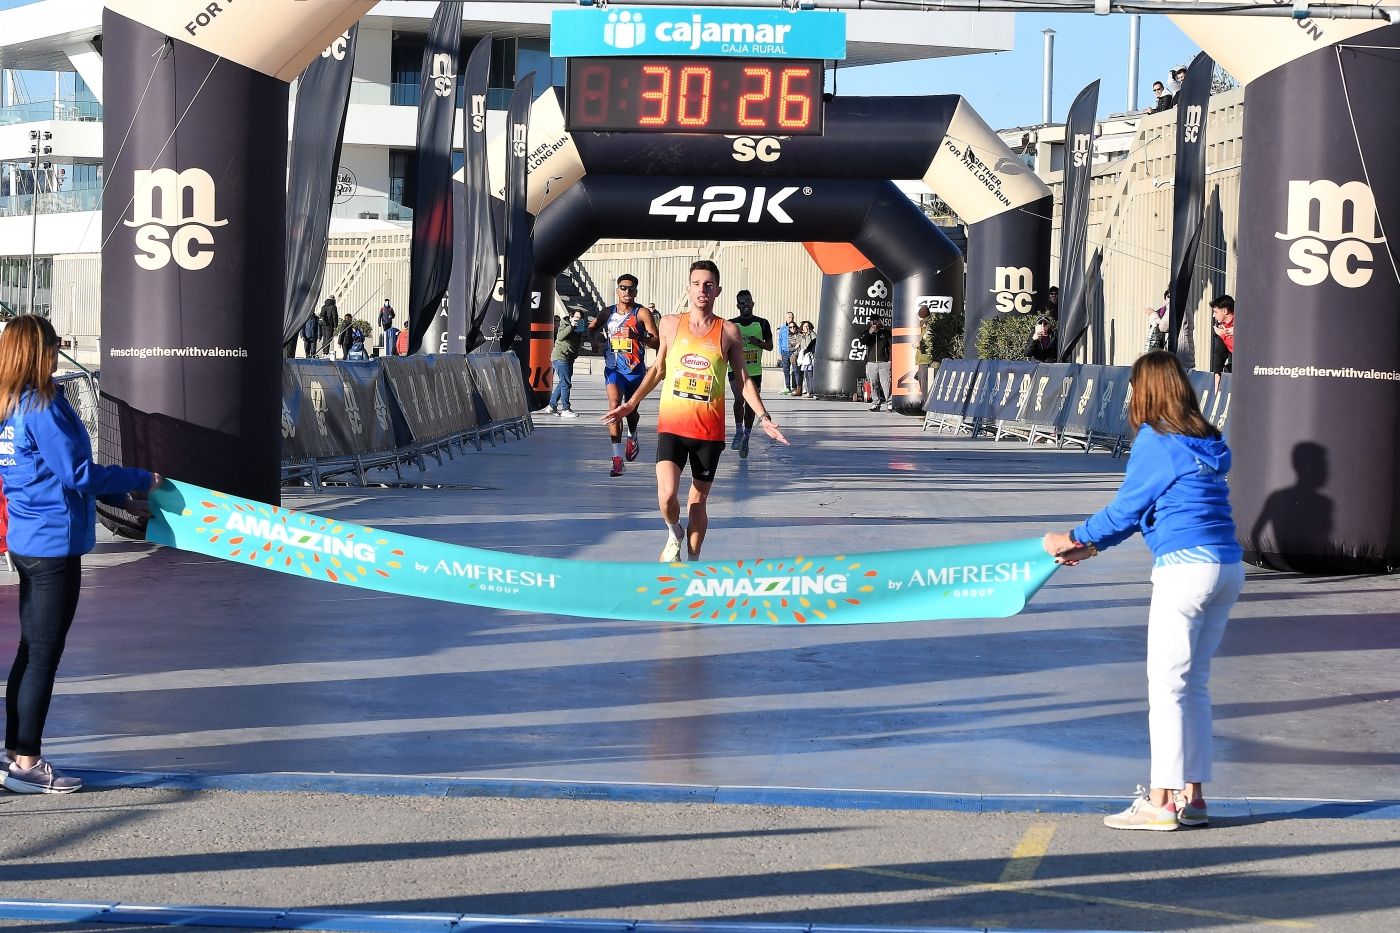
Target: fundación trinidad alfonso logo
1338,246
268,536
164,230
796,590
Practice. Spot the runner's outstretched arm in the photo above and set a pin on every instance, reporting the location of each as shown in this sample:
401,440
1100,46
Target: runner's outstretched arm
655,373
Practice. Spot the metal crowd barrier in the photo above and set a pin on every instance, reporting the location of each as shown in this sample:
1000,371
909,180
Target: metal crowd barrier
1066,404
345,418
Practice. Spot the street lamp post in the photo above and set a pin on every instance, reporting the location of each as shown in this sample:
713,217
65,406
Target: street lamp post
38,147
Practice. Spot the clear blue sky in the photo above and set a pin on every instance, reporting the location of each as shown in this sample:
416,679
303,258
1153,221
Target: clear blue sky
1005,87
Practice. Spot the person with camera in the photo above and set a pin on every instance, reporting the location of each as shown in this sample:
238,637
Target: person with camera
1222,341
877,361
1157,326
1042,346
568,337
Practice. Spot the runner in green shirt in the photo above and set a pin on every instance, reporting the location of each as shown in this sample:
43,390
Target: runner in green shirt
757,335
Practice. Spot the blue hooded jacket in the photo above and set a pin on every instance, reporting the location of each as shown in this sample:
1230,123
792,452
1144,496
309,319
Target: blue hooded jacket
1175,493
51,482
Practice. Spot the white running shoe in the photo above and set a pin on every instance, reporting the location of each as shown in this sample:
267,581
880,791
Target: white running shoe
672,551
568,413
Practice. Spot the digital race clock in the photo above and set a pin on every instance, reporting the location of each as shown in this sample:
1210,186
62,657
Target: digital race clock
695,95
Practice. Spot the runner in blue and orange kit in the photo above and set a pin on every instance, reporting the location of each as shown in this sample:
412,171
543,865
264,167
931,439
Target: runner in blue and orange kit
629,328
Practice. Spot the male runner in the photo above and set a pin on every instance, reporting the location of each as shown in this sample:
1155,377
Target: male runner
697,351
757,336
628,328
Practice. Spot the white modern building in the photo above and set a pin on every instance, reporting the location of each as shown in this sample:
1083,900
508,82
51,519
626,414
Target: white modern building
51,88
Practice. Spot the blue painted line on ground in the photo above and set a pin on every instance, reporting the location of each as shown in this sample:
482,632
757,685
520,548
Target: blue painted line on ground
815,797
265,918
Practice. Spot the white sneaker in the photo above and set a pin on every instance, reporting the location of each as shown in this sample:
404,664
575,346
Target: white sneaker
568,413
1143,815
672,550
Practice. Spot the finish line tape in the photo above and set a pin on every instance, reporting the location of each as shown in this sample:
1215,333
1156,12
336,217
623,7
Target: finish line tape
974,581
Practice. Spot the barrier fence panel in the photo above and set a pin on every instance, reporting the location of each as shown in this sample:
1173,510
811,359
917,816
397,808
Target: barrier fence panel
949,397
340,417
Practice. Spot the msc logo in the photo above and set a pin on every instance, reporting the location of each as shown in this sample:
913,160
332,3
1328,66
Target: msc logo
289,422
443,75
879,290
352,409
318,405
1191,124
173,212
762,148
478,111
624,30
336,49
1014,289
518,136
1081,150
723,204
1086,397
1331,249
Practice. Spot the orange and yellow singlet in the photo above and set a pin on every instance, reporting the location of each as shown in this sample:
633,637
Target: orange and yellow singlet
692,394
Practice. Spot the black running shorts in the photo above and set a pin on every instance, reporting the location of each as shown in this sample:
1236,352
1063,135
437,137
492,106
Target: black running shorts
703,456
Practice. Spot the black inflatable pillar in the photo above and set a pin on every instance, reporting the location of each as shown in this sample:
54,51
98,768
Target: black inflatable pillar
847,303
192,262
1317,364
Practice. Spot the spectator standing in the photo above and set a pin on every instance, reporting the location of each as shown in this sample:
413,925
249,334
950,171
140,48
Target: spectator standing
311,334
1042,345
804,352
1157,324
1165,101
568,337
1174,491
1178,78
1052,303
923,353
386,325
351,339
877,361
330,314
1222,339
785,333
53,486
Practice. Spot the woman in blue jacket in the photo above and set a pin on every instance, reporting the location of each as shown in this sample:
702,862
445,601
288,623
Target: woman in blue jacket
1175,493
52,486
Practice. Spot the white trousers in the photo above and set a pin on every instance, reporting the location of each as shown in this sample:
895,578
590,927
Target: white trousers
1190,606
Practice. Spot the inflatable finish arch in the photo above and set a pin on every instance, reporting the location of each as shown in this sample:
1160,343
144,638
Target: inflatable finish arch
937,139
875,216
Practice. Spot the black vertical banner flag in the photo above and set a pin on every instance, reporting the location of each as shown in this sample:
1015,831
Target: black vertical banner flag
1074,222
474,263
479,245
1189,196
430,262
318,126
519,265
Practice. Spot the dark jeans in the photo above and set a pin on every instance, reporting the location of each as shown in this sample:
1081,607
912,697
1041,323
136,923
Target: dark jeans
48,597
788,364
563,382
